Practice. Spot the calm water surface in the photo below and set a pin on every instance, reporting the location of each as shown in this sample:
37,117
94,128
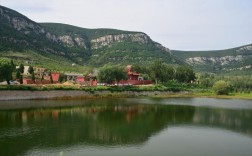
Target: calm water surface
137,127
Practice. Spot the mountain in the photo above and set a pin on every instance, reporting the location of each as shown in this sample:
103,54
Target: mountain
57,46
235,60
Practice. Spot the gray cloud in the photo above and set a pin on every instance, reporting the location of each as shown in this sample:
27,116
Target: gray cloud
177,24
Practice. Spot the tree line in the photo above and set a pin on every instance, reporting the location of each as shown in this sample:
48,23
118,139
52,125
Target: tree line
158,71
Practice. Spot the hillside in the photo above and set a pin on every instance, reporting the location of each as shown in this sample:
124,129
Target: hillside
235,60
57,46
113,46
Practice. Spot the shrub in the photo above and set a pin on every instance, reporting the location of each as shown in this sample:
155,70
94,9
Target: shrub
222,87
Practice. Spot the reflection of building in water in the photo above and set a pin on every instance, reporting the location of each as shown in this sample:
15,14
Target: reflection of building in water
24,117
55,114
118,124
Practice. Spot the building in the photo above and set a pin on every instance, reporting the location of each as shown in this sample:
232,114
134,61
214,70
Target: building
55,77
132,75
25,70
80,79
73,76
134,78
39,72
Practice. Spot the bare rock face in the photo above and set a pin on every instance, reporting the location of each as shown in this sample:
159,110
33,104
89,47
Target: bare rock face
244,49
110,39
71,41
51,37
67,40
26,26
21,24
162,47
225,60
80,42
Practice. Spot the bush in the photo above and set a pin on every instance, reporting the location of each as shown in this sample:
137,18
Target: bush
222,87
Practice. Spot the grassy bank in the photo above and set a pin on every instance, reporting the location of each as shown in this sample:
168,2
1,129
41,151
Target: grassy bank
93,88
120,91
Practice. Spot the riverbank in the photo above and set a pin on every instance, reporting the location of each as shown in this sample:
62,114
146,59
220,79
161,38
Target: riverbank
79,94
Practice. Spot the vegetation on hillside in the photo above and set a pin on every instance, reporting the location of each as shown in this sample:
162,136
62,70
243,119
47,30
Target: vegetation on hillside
47,44
217,63
63,29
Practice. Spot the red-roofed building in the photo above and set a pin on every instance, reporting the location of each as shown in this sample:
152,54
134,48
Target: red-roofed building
132,75
55,77
80,79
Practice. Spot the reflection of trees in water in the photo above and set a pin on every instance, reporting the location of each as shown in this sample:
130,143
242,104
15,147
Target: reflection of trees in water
106,124
92,124
235,120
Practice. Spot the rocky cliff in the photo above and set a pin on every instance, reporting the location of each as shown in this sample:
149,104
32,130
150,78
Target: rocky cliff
221,60
94,47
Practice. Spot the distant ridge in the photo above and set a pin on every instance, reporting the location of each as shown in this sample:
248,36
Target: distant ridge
234,60
50,44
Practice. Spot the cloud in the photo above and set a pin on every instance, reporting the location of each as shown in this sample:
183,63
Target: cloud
29,6
178,24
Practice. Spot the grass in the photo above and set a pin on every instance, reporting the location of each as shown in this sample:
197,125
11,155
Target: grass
52,63
116,91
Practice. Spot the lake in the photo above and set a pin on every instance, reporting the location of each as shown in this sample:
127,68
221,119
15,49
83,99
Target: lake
131,126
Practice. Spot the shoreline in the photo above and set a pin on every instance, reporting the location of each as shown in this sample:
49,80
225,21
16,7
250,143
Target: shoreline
77,94
9,95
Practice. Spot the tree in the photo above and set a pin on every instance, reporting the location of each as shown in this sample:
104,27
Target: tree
144,71
6,70
21,68
62,77
33,76
111,73
13,65
18,74
30,70
206,80
140,69
184,74
222,87
161,72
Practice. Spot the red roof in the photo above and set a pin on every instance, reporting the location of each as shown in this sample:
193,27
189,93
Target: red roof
133,73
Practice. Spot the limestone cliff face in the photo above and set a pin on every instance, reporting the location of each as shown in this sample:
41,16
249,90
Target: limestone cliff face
235,59
242,54
95,47
244,49
67,40
73,41
27,26
215,60
108,40
21,24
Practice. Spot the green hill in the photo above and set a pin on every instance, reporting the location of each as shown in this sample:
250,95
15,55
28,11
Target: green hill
58,46
235,61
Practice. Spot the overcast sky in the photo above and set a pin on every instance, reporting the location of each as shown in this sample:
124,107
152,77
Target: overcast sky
177,24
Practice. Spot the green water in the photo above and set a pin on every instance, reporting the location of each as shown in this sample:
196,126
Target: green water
137,127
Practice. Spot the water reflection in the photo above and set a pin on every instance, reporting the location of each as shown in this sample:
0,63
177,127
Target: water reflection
108,123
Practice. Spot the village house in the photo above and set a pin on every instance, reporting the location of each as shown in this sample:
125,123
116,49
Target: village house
55,77
134,78
133,75
80,79
73,76
40,72
25,70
